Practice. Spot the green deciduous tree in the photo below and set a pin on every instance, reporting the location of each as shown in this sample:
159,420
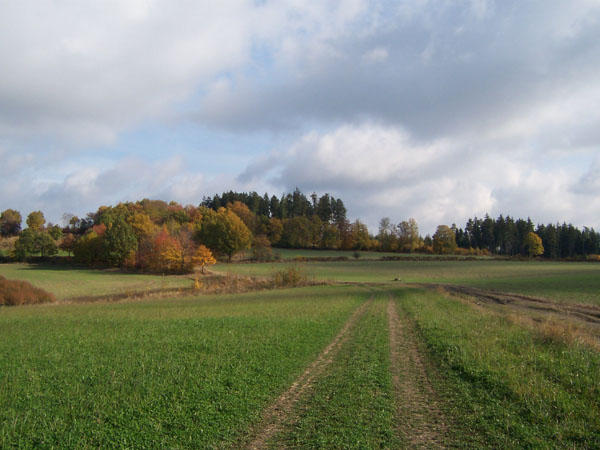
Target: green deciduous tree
119,242
224,232
26,245
47,245
297,232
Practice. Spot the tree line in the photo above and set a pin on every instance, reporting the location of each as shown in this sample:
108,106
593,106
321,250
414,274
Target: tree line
509,236
159,236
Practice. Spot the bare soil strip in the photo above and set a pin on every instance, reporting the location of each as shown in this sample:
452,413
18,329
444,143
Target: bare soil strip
585,313
421,421
281,411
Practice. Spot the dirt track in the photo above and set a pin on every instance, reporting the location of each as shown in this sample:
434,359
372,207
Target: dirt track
421,421
280,411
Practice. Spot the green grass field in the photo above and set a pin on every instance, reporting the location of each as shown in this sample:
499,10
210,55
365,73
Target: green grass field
203,371
293,253
507,385
568,282
185,373
66,282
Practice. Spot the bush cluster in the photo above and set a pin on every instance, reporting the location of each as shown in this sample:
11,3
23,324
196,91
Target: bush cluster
289,277
17,292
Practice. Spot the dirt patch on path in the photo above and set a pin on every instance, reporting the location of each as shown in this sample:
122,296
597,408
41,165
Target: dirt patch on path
421,421
281,411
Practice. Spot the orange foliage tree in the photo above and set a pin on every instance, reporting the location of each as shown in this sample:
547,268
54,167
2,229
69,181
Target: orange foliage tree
203,257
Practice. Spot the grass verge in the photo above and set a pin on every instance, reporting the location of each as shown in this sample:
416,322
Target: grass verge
511,386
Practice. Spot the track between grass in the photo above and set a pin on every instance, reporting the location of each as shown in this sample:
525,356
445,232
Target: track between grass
280,411
421,423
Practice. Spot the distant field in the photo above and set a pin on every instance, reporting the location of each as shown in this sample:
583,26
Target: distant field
66,282
290,253
568,282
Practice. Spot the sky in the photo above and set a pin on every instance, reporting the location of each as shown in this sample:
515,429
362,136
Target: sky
438,110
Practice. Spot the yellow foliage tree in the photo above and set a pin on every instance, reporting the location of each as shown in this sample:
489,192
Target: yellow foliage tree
142,225
170,256
534,244
203,257
444,240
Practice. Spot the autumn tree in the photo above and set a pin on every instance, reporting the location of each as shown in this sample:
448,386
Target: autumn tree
10,223
330,237
408,235
88,249
360,236
36,220
533,244
153,249
203,257
261,248
224,232
185,247
275,230
387,235
316,227
142,225
444,241
244,213
67,243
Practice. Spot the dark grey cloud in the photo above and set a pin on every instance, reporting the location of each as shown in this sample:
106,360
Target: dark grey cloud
444,68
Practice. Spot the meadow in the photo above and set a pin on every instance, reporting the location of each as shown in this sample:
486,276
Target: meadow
566,282
184,373
66,282
368,363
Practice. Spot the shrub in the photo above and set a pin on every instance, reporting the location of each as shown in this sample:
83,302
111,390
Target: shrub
261,248
290,276
18,292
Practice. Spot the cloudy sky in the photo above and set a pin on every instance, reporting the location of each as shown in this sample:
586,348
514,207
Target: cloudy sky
434,109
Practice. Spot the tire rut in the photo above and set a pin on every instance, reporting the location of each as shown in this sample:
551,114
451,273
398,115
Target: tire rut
281,410
421,421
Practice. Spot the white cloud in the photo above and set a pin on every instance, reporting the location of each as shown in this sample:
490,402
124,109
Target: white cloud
380,170
442,109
